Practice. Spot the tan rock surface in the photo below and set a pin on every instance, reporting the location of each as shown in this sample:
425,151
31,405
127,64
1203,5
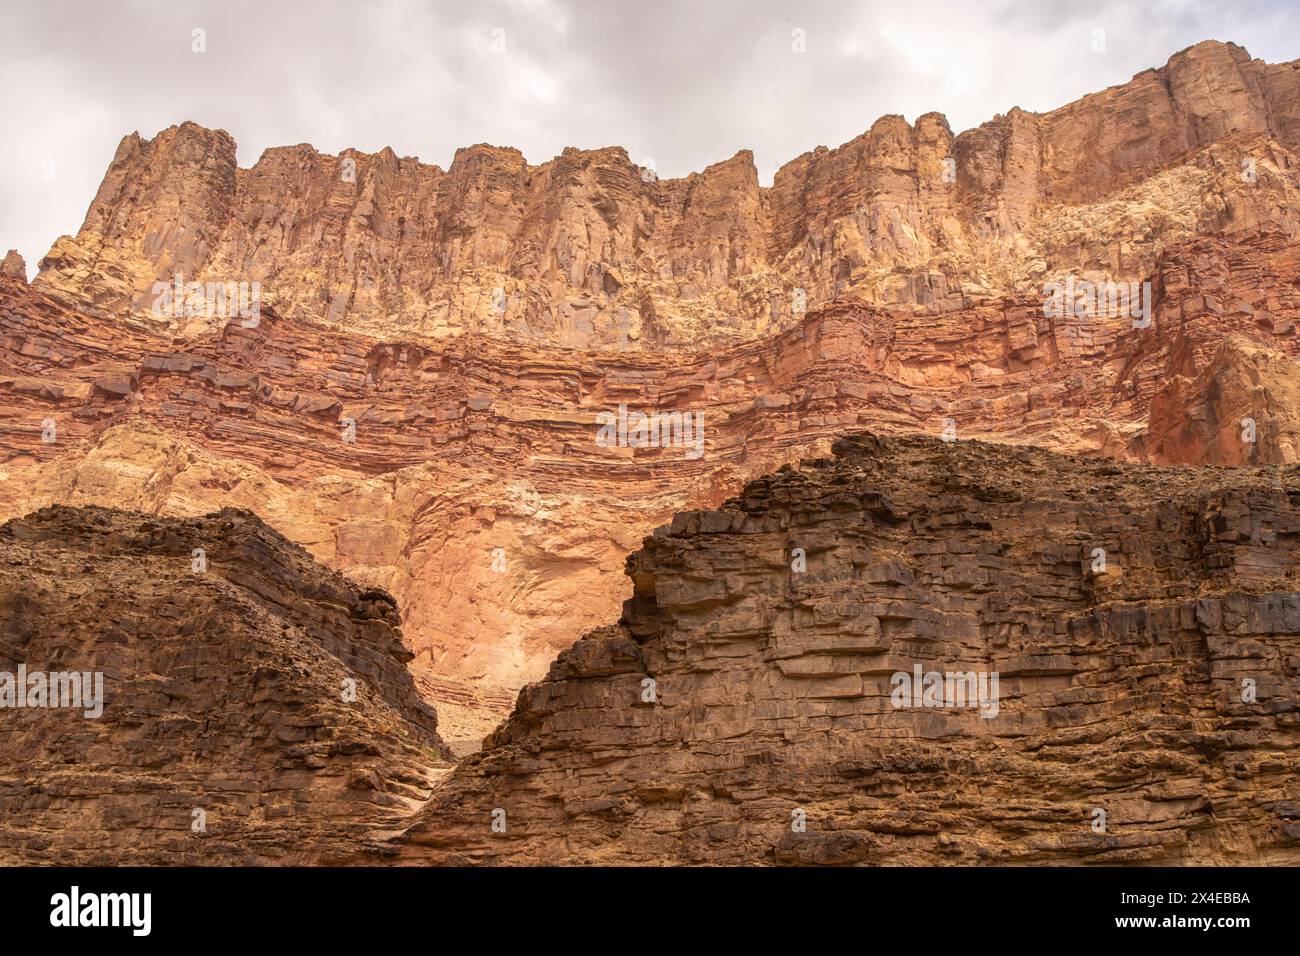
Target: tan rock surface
1241,408
590,250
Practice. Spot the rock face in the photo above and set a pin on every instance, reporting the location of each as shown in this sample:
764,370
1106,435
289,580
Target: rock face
590,250
13,266
426,380
256,708
475,489
472,482
1241,408
1143,625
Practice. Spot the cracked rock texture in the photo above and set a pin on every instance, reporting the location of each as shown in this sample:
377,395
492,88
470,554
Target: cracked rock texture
588,249
1121,687
13,265
1243,407
225,690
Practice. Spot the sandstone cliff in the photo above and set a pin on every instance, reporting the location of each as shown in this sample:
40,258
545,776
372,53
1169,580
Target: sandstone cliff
472,485
256,708
1143,626
587,249
1138,628
474,488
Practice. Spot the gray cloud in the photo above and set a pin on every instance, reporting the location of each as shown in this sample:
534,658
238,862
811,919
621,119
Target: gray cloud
684,83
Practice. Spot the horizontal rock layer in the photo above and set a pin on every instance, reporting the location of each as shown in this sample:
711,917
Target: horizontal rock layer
1143,623
475,489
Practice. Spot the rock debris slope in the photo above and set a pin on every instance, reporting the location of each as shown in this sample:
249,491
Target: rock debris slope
229,733
1159,688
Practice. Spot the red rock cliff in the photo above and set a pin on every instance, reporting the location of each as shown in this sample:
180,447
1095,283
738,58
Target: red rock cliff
588,249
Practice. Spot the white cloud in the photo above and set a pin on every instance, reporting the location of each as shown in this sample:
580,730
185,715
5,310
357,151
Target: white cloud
684,81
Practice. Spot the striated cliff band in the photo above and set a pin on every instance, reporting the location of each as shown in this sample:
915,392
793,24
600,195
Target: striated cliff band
475,486
433,391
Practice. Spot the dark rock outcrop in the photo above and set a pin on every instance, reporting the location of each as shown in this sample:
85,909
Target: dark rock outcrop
1143,624
255,707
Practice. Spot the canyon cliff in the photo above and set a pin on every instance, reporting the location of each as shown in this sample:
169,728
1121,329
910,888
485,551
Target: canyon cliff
417,401
1133,634
590,250
913,651
474,488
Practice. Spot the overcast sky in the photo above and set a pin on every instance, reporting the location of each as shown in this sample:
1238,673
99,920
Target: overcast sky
679,83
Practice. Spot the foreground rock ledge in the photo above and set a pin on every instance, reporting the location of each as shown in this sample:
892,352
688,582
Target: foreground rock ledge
1121,692
224,697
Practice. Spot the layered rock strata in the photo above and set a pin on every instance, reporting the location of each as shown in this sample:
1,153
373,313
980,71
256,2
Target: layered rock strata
474,487
252,706
1142,624
392,413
